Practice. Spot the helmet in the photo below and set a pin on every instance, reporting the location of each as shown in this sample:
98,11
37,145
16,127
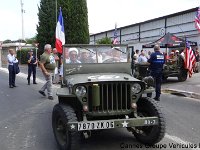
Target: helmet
73,49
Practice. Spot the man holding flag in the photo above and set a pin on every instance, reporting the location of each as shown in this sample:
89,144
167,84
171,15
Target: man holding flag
60,35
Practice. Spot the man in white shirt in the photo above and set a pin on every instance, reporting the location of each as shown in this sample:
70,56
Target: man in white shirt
136,55
142,58
11,60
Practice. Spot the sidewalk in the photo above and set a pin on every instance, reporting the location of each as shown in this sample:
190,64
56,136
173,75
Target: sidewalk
188,88
24,73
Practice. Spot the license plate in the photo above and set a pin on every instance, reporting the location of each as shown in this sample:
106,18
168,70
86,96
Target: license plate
95,125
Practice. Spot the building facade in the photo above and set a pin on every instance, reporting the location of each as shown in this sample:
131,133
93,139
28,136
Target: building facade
180,24
6,46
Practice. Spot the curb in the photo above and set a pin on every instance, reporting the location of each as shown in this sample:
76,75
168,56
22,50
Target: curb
182,93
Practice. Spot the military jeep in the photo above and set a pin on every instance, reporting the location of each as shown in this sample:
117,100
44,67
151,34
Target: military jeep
175,68
171,68
102,94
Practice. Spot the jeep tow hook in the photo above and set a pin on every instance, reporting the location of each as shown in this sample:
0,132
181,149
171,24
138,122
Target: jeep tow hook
87,134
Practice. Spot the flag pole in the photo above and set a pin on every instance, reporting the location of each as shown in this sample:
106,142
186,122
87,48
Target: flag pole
56,11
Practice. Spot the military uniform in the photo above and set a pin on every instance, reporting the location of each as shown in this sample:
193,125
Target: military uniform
156,67
32,68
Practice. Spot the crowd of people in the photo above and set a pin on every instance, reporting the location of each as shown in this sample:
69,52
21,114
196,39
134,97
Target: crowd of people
143,56
50,62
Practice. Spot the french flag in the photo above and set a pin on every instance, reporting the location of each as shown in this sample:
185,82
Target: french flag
60,34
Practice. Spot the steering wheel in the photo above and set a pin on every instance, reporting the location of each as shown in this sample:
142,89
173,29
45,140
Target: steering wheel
112,59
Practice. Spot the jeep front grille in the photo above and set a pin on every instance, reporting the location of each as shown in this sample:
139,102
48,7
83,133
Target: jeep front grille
113,97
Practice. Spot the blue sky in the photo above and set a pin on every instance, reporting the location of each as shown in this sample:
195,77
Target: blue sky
102,14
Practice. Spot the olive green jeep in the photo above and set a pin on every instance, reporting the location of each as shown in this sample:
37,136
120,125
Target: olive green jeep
98,92
175,68
171,68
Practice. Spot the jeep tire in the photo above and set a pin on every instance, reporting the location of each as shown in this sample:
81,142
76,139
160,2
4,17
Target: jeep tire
66,140
182,75
150,135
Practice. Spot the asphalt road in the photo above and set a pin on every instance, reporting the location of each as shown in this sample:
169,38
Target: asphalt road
25,122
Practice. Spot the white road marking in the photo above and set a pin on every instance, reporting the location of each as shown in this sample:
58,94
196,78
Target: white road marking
180,141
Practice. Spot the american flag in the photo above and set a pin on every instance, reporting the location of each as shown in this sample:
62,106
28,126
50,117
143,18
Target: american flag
115,41
197,19
190,59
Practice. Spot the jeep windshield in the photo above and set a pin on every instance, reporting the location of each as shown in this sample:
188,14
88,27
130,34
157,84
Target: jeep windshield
83,54
86,59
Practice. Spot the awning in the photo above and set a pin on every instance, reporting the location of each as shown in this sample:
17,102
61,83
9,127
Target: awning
169,41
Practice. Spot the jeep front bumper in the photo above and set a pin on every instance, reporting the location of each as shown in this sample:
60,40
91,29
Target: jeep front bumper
111,124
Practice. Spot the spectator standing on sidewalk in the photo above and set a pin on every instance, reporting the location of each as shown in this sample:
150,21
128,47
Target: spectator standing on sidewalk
32,64
142,58
156,67
136,55
12,74
47,65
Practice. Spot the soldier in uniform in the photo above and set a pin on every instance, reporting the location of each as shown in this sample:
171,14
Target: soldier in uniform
32,63
156,67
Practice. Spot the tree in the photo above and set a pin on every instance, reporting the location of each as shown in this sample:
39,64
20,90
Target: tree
75,16
47,24
105,40
31,40
7,41
77,31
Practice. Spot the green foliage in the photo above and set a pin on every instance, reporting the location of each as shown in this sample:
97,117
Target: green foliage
23,54
105,40
7,41
20,41
31,40
75,16
47,24
77,31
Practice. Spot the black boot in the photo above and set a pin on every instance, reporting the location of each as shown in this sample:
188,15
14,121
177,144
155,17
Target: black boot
34,82
28,81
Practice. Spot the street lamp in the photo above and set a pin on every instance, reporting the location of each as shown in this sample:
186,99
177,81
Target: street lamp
22,12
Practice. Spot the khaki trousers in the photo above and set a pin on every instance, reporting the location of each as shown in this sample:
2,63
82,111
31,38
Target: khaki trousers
48,84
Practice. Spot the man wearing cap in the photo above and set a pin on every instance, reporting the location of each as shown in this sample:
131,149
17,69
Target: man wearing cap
47,65
156,67
32,63
73,56
85,58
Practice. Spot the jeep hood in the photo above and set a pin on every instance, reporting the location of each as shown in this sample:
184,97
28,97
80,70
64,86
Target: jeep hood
100,77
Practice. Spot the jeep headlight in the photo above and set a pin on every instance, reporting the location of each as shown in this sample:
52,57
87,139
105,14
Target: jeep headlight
80,91
136,88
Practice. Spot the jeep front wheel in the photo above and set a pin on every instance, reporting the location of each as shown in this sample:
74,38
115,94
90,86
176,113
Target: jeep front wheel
66,140
150,135
183,75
